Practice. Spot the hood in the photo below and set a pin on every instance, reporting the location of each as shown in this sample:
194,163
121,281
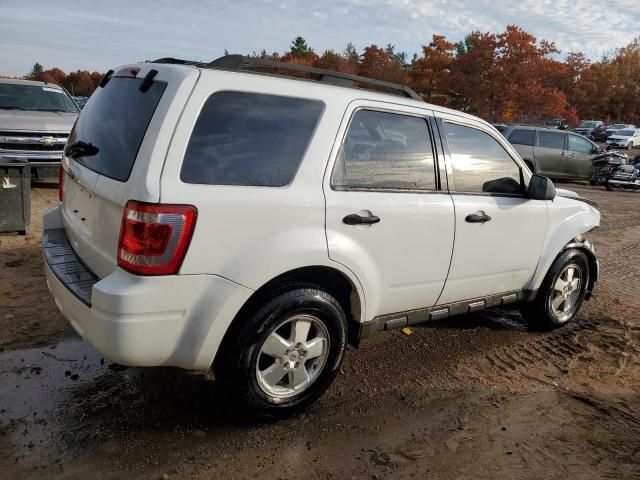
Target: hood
618,137
61,122
561,192
566,193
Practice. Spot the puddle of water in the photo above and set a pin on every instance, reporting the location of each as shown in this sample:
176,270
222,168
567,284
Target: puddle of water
34,383
60,401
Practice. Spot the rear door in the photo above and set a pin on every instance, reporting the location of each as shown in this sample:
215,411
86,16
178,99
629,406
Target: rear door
577,158
550,151
386,218
499,232
130,127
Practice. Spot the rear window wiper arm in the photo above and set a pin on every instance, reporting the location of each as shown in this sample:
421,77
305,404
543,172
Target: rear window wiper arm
80,149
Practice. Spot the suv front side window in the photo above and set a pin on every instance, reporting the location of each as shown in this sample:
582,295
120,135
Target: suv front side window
383,151
480,164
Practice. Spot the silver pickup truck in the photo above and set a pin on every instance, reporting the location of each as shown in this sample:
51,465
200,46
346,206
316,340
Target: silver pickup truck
35,121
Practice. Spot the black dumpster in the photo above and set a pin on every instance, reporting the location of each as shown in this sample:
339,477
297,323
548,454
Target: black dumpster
15,195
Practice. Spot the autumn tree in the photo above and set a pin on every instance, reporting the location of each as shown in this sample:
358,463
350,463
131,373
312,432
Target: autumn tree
429,74
331,60
474,75
375,63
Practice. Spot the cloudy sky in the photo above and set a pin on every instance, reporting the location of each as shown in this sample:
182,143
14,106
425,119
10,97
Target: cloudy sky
96,35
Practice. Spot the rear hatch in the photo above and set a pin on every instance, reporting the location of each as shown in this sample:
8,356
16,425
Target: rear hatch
129,129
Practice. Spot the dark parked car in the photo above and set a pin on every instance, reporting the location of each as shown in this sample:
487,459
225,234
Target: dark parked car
554,153
599,134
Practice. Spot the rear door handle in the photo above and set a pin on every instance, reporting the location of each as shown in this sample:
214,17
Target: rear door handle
478,217
355,219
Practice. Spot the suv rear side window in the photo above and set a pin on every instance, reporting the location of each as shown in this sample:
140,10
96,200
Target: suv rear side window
115,120
385,151
551,139
480,163
249,139
523,137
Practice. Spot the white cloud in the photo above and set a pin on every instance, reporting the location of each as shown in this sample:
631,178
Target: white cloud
85,34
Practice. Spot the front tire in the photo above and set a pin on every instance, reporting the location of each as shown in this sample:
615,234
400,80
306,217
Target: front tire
630,146
287,353
561,294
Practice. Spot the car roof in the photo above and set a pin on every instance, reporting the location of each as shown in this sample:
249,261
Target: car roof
319,88
20,81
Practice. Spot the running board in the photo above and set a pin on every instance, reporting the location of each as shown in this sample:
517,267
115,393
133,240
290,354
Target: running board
437,312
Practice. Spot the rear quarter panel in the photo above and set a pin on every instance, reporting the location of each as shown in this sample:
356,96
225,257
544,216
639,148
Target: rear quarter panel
248,234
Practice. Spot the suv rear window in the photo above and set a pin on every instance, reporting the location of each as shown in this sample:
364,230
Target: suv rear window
249,139
115,120
523,137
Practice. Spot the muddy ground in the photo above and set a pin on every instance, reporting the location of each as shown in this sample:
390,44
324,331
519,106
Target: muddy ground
476,397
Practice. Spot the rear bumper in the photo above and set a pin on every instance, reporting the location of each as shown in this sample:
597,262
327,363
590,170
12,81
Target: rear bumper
177,320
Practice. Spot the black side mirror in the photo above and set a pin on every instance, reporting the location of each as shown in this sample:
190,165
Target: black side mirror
541,188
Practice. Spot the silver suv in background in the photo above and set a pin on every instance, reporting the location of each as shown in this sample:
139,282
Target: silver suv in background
35,121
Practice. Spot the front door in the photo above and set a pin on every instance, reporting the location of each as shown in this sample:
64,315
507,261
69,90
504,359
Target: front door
386,219
549,153
499,232
577,159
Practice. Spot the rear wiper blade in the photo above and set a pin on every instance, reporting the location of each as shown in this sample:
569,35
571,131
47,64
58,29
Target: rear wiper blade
12,108
80,149
50,110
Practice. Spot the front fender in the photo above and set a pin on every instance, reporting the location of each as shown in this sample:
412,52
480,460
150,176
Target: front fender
568,220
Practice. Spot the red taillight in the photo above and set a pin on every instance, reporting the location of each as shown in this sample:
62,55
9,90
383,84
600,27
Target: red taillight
154,238
60,182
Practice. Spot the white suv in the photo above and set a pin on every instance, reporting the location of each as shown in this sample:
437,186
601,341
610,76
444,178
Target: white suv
217,216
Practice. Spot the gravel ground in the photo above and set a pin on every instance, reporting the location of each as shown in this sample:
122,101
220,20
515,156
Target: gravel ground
475,397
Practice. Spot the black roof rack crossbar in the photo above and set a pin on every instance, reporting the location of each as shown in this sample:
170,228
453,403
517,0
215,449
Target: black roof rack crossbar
241,62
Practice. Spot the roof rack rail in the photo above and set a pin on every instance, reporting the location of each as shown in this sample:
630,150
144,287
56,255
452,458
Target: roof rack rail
241,62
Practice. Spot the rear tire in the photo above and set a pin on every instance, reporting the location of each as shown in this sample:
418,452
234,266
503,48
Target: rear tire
561,294
287,352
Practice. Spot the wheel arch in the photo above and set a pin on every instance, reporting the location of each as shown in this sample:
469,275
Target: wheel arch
345,289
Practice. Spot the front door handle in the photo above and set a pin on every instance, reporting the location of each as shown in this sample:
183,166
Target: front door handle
355,219
478,217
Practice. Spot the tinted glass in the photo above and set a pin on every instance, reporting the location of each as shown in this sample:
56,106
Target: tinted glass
115,120
523,137
626,133
35,98
385,151
579,144
551,139
480,164
249,139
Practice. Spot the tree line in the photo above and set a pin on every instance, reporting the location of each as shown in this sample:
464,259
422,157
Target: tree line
501,77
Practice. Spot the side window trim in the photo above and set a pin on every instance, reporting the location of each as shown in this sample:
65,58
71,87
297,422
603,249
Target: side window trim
452,191
437,161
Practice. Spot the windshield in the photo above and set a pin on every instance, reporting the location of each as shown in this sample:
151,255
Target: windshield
588,124
618,126
35,98
626,133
